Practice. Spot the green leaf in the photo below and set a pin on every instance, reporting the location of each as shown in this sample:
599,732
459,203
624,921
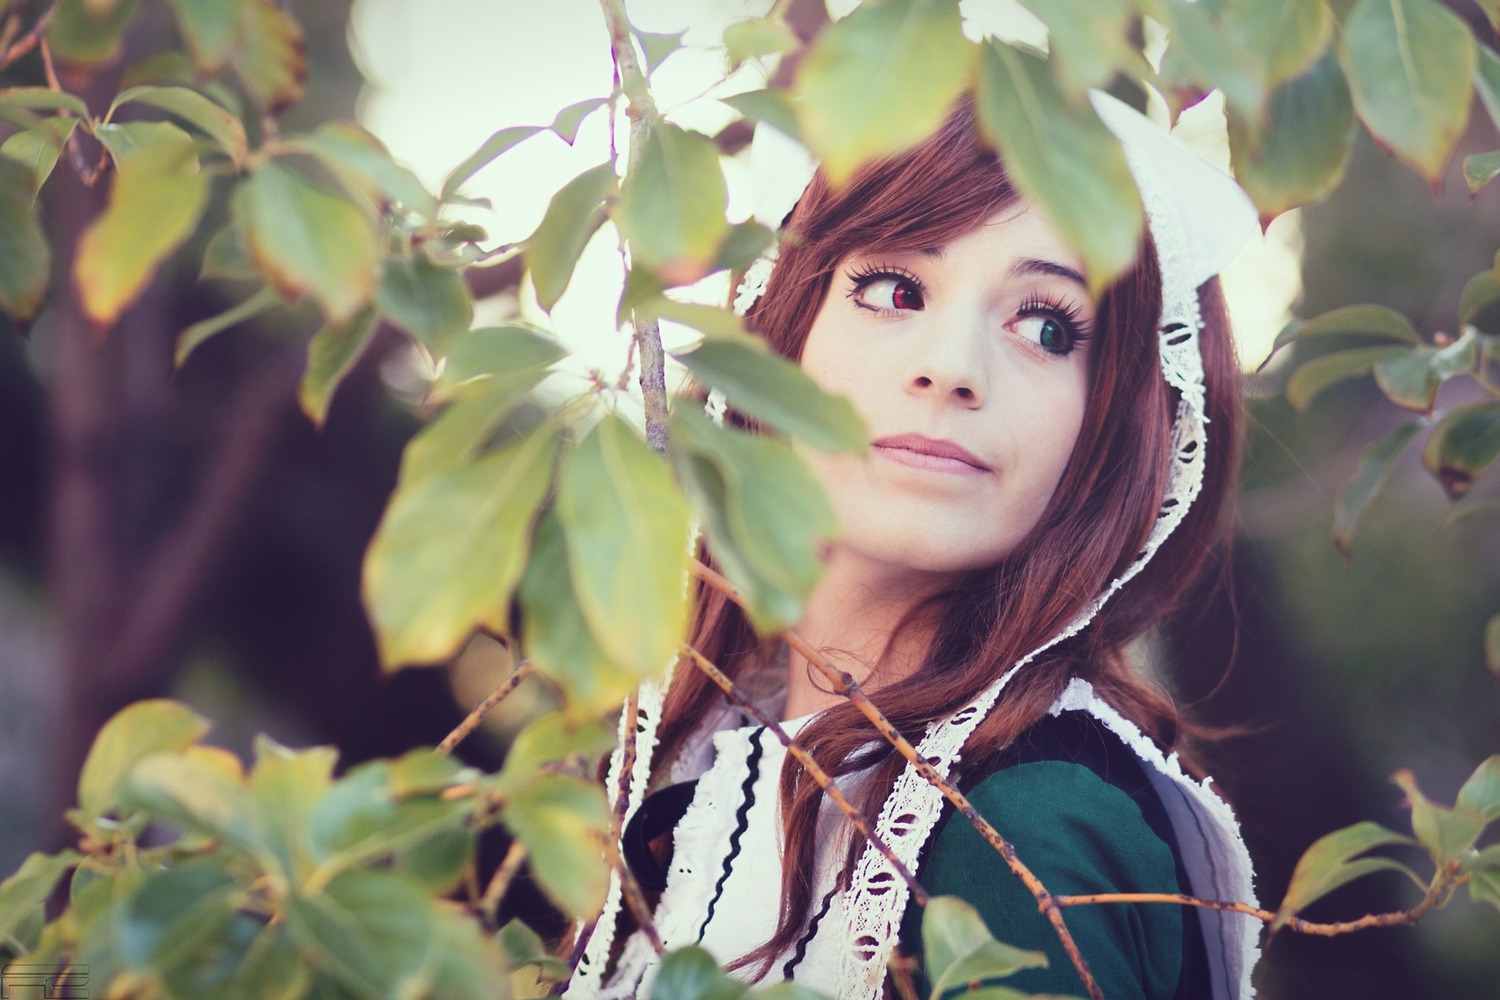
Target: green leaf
1333,860
285,786
177,915
189,339
626,525
451,549
757,37
1063,158
570,118
1484,887
1374,321
195,109
426,300
765,514
225,257
134,733
1411,379
958,947
361,820
209,27
44,99
159,192
1492,645
124,140
364,167
1479,292
306,239
1329,369
1480,169
1481,792
25,257
550,738
1446,833
39,149
465,428
671,207
80,39
463,963
1089,40
1295,151
881,80
1204,55
1375,465
331,354
1284,37
501,359
440,862
774,107
743,243
1410,65
573,216
556,636
692,974
271,59
25,892
767,387
1465,442
523,946
563,822
369,930
490,149
193,795
1487,80
657,46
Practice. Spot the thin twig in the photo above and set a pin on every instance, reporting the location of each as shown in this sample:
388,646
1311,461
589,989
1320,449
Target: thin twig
500,882
847,686
30,40
641,109
629,887
636,900
495,697
80,164
815,772
1369,920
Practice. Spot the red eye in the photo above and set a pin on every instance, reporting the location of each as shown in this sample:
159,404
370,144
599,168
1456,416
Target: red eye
889,293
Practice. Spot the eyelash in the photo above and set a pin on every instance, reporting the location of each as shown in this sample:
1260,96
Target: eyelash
1066,313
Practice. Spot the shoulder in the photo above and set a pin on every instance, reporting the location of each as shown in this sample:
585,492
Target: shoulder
1077,806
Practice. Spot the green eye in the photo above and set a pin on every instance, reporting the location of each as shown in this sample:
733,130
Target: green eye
1053,337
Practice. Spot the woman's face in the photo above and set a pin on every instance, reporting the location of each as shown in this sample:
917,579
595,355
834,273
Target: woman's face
970,366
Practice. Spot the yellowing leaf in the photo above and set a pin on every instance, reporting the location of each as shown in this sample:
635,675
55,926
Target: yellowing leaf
492,359
1088,40
1448,834
761,36
451,549
1296,150
1410,65
25,258
1285,37
306,239
1330,369
135,732
271,59
1063,158
1462,446
209,28
365,168
330,355
158,194
626,525
881,80
672,202
79,38
195,109
573,215
1333,860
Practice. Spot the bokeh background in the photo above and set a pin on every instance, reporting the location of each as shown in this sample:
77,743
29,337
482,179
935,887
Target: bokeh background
193,536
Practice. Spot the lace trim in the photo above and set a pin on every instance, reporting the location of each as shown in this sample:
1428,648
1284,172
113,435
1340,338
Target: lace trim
753,285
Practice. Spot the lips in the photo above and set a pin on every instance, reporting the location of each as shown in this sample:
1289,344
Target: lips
921,452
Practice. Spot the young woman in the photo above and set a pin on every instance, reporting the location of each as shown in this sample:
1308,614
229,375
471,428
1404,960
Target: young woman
1045,477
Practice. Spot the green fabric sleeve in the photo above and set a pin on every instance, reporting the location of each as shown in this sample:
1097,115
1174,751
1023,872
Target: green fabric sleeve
1079,834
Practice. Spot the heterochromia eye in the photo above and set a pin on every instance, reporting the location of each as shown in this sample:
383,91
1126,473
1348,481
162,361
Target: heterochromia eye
890,294
1047,332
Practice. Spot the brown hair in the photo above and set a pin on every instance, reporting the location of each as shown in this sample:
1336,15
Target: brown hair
1094,527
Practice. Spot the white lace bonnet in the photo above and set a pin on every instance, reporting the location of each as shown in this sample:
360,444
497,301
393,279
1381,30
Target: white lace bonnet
1199,220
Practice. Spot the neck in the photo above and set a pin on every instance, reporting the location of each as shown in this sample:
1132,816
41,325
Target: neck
854,618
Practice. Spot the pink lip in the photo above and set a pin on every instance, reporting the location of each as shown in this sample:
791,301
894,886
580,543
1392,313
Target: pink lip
921,452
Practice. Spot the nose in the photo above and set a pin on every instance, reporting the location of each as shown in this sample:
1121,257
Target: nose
948,364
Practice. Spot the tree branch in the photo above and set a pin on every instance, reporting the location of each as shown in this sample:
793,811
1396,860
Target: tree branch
21,46
847,686
474,718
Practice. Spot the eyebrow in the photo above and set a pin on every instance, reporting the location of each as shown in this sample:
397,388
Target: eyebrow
1036,266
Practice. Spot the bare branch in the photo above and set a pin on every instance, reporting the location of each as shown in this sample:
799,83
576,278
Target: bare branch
847,686
500,882
473,719
810,766
21,46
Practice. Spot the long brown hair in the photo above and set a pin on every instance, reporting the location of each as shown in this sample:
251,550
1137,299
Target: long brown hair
1096,523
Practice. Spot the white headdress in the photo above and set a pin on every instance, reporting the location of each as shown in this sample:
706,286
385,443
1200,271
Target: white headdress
1199,219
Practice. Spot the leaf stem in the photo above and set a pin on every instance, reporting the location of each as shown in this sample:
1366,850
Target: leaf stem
500,882
30,40
473,719
846,685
